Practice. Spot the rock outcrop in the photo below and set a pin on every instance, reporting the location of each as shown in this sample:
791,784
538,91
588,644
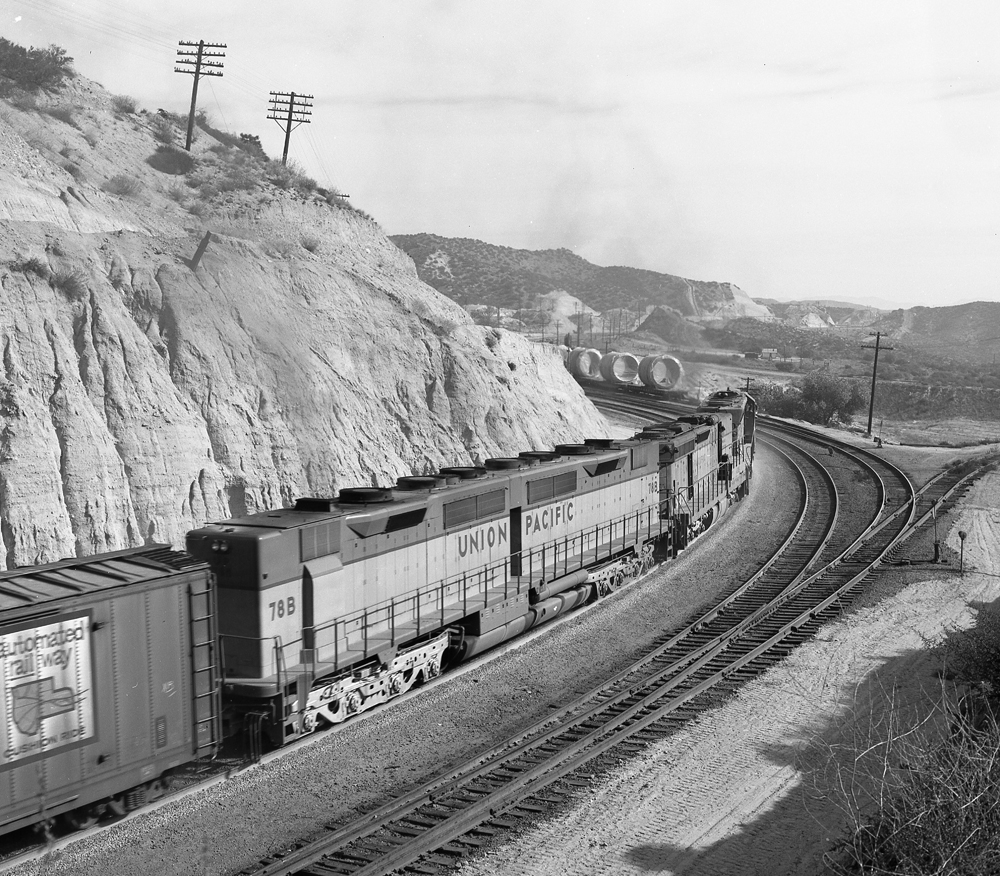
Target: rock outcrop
140,395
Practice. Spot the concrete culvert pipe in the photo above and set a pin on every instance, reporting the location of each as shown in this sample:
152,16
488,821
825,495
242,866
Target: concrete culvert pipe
585,363
619,368
660,372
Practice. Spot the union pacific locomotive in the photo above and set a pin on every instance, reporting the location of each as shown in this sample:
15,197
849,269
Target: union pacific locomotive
119,667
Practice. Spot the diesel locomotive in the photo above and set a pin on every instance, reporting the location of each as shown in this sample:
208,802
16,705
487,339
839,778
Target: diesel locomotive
118,668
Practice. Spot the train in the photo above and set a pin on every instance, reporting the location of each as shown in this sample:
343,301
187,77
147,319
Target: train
120,668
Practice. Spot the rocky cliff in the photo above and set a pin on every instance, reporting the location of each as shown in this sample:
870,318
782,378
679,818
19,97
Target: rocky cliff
141,395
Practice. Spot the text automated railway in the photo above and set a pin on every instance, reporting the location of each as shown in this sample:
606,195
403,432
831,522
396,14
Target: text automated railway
118,668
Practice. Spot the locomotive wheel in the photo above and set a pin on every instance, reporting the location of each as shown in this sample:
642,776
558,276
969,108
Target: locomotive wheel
395,684
604,588
309,722
434,667
352,703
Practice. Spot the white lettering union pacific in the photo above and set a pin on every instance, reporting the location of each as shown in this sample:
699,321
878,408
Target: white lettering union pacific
549,517
482,539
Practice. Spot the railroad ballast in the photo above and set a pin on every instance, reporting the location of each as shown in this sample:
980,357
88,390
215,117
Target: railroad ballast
120,667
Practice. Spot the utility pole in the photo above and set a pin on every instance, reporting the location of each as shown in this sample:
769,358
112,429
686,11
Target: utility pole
196,59
871,402
289,110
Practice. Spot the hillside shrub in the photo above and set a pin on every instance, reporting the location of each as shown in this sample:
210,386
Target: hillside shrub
123,185
124,104
74,170
171,160
163,128
922,802
34,69
30,265
71,282
92,137
310,242
62,112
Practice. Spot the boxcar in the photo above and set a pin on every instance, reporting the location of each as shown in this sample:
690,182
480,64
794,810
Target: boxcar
109,682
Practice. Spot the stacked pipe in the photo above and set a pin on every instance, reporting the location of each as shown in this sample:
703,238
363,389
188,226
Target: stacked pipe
622,369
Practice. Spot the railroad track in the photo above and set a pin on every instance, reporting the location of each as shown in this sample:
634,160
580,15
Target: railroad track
822,563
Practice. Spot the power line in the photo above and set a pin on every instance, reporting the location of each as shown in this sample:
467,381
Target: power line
202,67
871,400
289,110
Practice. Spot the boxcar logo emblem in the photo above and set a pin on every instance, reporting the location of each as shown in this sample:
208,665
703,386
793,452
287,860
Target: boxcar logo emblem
37,700
48,698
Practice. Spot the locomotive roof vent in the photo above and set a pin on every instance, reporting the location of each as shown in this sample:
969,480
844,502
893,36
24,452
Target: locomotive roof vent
412,483
600,443
574,449
364,495
503,463
539,455
465,472
315,503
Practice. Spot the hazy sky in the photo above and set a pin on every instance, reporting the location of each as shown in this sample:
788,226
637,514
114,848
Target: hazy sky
795,149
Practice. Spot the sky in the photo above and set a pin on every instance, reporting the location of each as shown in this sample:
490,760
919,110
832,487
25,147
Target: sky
841,150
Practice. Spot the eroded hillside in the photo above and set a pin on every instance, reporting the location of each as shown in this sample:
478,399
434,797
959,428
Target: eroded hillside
473,272
141,396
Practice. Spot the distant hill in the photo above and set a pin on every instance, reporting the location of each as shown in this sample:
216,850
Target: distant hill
965,332
473,272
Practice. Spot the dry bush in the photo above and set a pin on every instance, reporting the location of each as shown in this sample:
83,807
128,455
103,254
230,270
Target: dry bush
124,104
163,129
62,112
289,176
310,242
170,159
30,265
196,208
123,185
71,282
280,248
178,193
20,99
92,137
74,170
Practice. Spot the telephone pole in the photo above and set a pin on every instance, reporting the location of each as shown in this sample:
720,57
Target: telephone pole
871,402
289,110
196,59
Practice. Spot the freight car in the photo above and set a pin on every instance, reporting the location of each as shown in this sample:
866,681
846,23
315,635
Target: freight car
118,668
109,681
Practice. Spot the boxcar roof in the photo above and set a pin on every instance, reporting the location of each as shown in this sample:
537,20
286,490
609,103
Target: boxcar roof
76,576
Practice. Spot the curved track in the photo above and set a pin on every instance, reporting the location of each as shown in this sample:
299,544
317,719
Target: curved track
820,565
